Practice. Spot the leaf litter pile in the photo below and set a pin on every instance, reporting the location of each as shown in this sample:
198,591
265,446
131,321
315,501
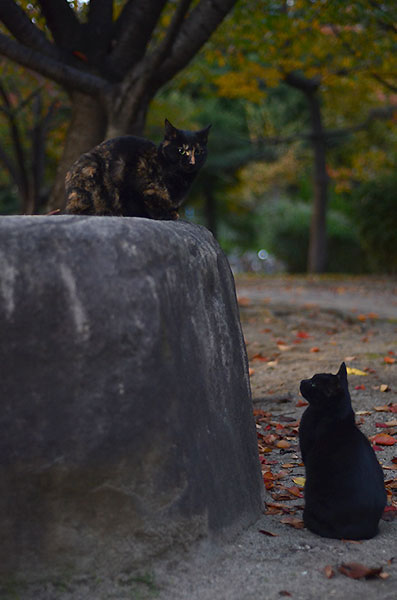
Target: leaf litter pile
286,344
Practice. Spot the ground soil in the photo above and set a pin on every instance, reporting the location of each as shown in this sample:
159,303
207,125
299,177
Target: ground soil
293,327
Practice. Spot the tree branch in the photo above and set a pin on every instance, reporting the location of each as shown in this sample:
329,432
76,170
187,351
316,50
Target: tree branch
22,28
384,113
133,31
139,77
9,165
67,76
196,30
99,28
22,179
62,22
304,84
386,84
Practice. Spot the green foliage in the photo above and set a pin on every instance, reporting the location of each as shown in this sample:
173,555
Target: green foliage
288,225
375,212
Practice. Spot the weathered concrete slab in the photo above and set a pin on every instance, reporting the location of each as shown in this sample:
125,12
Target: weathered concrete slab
125,421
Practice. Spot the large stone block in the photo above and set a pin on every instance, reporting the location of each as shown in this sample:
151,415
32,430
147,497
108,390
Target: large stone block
126,421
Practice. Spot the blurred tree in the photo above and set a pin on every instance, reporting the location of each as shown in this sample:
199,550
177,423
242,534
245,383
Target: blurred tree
29,109
111,59
312,46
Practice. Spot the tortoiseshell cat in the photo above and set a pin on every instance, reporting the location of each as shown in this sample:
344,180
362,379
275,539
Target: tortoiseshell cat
132,177
344,490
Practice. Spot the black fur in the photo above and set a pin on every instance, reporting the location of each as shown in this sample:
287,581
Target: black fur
344,490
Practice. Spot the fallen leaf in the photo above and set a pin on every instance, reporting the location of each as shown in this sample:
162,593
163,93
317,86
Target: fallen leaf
260,357
389,360
360,387
384,408
383,439
269,533
390,513
283,444
387,424
353,371
357,570
384,575
284,593
301,403
303,335
243,301
300,481
329,571
251,371
315,349
293,522
363,412
384,387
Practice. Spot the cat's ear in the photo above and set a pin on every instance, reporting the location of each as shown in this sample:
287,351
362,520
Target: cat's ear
342,373
203,134
170,131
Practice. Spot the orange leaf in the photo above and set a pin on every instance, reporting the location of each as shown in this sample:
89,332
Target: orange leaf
384,439
315,349
269,533
293,522
357,570
283,444
301,403
260,357
389,360
329,571
242,301
303,335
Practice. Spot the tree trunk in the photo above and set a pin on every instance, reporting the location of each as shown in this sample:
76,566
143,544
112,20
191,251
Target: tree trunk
317,257
86,130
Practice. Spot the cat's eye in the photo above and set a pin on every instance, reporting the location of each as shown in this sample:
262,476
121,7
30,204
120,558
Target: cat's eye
182,150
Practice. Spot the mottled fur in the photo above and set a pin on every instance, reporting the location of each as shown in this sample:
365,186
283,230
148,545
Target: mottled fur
344,490
132,177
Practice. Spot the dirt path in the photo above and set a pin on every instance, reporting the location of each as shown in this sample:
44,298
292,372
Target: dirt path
295,327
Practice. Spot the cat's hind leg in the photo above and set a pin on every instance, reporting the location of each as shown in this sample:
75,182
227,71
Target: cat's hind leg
85,191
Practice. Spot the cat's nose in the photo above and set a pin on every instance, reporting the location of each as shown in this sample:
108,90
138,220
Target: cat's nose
192,160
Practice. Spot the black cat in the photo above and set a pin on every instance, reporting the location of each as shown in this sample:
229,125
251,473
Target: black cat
344,490
132,177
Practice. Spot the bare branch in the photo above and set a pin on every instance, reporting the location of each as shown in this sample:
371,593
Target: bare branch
22,28
196,30
386,84
69,77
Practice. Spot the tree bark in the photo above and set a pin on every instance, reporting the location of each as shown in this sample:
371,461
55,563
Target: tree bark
317,258
317,255
87,129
